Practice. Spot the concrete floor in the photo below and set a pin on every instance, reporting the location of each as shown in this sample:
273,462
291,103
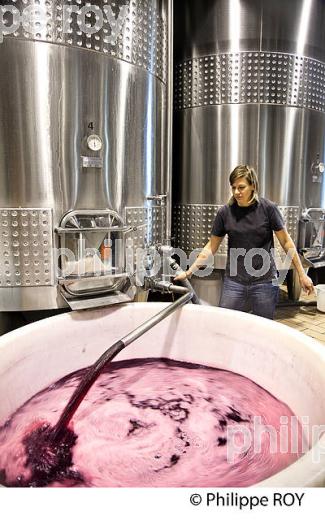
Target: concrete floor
306,319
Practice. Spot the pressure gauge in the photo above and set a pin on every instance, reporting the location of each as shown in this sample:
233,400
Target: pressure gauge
94,143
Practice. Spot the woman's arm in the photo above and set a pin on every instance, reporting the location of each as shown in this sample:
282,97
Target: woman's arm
288,245
209,249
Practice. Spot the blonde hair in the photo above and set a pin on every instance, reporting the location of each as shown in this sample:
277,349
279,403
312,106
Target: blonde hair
243,171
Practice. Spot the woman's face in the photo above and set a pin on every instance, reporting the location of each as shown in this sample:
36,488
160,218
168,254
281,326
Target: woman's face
242,191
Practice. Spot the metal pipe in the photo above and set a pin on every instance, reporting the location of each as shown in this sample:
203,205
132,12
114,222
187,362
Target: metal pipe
157,319
186,283
165,286
170,90
305,214
95,370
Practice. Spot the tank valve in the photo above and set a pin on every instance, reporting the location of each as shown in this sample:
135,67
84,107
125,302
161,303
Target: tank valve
317,170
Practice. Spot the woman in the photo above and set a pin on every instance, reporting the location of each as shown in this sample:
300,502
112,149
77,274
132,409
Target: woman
249,221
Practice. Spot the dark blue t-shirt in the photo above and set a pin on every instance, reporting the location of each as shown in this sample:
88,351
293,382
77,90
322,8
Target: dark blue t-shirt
250,239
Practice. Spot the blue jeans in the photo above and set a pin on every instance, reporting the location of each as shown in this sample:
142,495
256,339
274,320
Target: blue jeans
261,298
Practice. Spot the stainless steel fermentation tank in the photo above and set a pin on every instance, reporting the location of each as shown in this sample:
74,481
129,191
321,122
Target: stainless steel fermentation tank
83,150
250,89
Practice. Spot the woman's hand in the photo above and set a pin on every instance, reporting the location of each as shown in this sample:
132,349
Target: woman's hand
207,252
185,275
306,284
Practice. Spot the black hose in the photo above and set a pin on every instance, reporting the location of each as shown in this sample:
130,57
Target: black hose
195,299
185,283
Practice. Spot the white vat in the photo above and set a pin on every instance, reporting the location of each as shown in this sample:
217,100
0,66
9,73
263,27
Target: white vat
288,364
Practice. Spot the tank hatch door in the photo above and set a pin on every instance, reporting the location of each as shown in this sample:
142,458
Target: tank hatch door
312,237
91,259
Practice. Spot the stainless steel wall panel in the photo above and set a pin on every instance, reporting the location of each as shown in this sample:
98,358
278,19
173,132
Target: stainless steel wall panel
43,129
56,89
213,27
294,26
30,298
223,26
211,141
139,26
281,142
289,141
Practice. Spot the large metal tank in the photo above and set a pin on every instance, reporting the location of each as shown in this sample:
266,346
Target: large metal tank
249,89
83,140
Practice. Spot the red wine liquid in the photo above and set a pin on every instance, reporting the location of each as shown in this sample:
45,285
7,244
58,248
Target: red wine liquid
146,423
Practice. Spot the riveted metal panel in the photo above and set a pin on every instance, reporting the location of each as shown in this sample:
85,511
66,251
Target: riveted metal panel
133,31
148,223
291,219
26,255
251,77
193,224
